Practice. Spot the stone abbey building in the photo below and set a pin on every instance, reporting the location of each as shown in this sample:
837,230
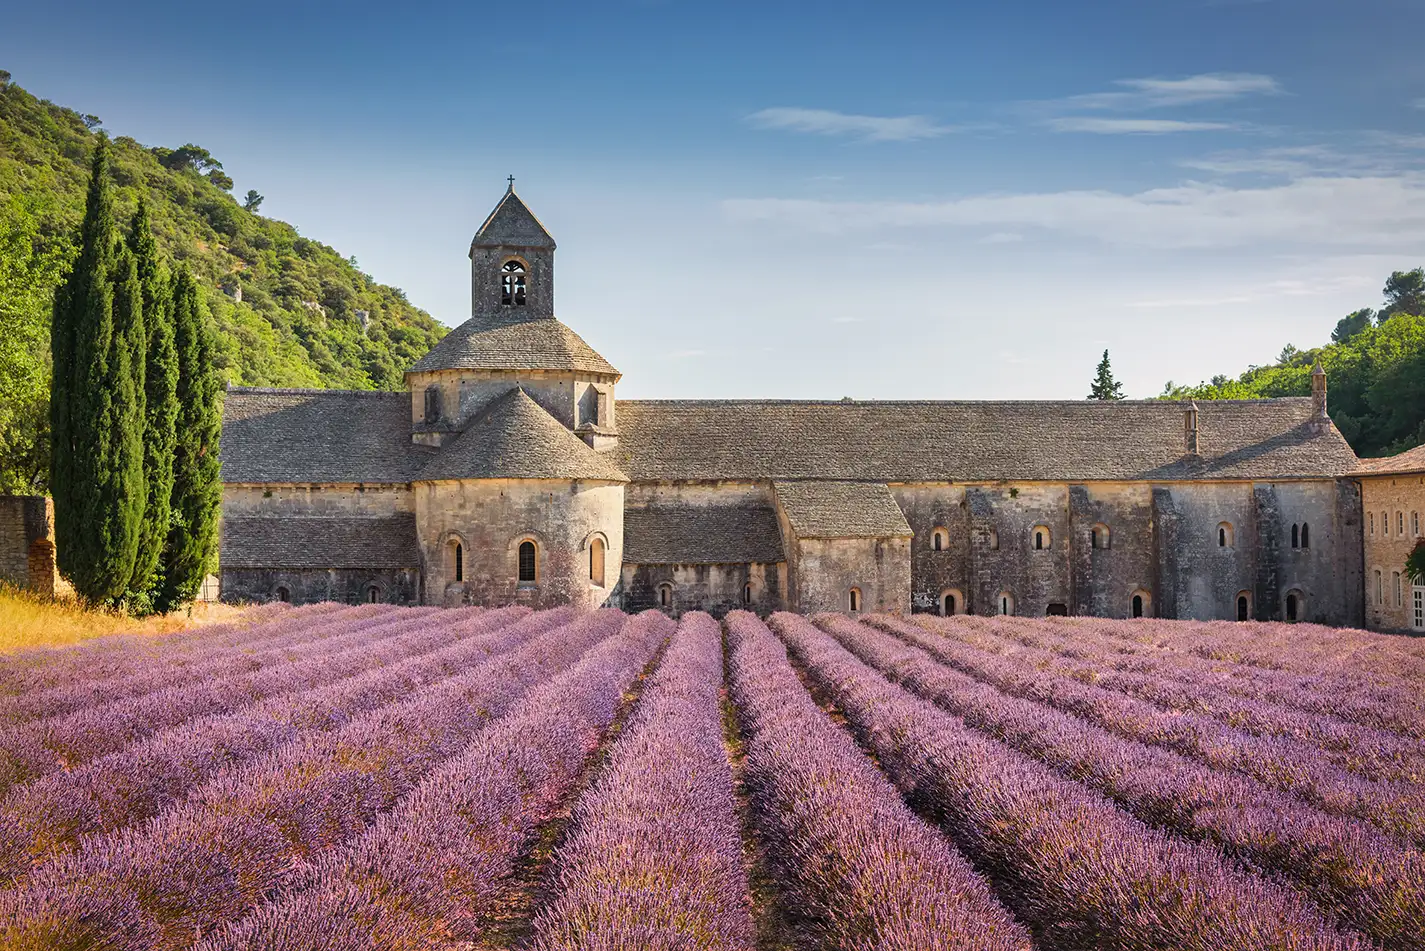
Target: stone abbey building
507,471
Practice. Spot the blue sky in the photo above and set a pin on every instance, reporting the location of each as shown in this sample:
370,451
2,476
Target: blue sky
877,200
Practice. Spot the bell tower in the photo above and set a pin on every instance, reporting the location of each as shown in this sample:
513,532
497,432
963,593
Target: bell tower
512,264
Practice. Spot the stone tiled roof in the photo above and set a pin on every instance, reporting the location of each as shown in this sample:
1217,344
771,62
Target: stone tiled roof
512,224
312,436
974,441
287,542
842,510
701,535
1412,460
514,438
507,343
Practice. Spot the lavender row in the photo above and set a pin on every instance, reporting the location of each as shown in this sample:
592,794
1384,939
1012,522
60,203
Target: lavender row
123,789
432,873
240,836
1364,877
863,870
291,639
1398,808
121,655
1359,699
1373,753
1082,871
654,858
40,748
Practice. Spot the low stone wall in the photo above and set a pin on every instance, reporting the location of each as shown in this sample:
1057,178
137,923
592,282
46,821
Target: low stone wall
27,544
307,586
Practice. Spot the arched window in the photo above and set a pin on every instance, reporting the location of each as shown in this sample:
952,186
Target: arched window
1295,608
665,595
1305,535
1005,603
1137,605
1415,523
528,563
952,602
1100,536
432,403
1296,536
373,593
939,540
992,539
1040,536
513,286
1373,522
455,560
1400,523
1244,606
1225,535
747,593
1380,587
854,599
596,561
1385,523
283,594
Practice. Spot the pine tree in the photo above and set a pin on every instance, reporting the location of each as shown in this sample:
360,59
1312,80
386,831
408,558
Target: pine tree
160,406
1105,387
97,467
197,493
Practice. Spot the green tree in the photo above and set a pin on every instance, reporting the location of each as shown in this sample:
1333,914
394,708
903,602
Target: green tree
1415,564
221,178
252,201
95,403
197,491
160,405
1105,387
1353,325
1405,293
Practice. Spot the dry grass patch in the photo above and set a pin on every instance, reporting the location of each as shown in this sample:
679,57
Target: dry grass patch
30,620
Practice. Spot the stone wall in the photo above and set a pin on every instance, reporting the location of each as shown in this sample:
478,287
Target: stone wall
716,589
1394,525
240,585
489,519
316,500
826,569
27,544
571,398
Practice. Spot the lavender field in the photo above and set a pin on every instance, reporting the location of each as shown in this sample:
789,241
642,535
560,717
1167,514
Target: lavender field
373,777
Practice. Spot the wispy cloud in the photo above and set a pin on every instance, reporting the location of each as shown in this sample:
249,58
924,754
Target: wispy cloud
1101,126
866,128
1376,212
1419,103
1167,93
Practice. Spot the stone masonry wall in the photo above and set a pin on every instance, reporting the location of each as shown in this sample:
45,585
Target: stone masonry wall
1391,503
716,589
352,586
317,500
27,543
828,568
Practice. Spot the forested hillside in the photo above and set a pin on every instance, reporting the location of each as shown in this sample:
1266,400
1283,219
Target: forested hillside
1375,367
288,310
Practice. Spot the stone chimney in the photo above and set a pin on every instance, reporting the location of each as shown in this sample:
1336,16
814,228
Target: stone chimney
1190,428
1318,392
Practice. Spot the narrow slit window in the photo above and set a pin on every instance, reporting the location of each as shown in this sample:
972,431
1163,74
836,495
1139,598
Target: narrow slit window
373,594
1296,536
596,561
747,593
854,599
1293,607
1305,535
665,596
527,566
459,562
1399,595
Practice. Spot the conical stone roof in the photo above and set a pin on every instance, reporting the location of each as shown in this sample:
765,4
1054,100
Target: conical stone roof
512,225
508,343
514,438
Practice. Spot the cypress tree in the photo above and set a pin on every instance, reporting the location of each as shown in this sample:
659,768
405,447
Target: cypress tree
96,419
1105,387
197,493
160,405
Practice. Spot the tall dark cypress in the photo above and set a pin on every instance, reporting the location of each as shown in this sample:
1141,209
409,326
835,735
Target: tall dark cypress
197,491
160,404
96,475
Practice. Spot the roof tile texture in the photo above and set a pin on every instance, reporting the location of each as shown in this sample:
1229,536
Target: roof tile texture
842,510
292,542
509,343
701,535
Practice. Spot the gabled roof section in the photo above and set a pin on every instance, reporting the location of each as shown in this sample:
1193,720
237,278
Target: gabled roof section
1412,460
508,343
318,436
842,510
514,438
1056,441
673,534
302,542
512,225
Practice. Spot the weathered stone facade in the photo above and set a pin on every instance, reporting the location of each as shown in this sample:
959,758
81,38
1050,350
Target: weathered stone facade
1393,497
506,472
27,555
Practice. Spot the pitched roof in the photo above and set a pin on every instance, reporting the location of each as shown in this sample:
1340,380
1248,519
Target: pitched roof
512,225
841,510
701,535
514,438
1412,460
287,542
309,436
974,441
507,343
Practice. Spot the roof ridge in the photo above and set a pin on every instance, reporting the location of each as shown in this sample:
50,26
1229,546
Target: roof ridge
1264,400
309,391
